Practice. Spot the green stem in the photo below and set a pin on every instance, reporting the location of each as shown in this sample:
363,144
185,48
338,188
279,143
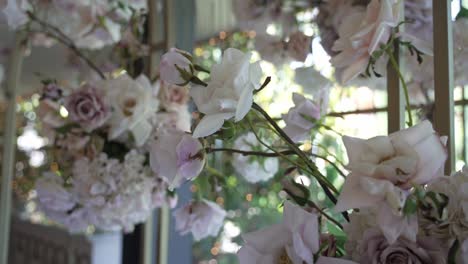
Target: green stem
322,212
275,151
250,153
271,154
265,83
403,83
298,151
284,154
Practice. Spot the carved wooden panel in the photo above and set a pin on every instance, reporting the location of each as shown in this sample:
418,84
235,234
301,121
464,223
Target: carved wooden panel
38,244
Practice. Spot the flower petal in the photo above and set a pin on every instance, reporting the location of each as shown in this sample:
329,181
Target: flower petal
245,103
353,195
394,226
210,124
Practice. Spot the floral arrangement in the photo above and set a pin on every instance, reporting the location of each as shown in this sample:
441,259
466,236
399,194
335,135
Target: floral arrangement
100,125
123,144
101,134
403,209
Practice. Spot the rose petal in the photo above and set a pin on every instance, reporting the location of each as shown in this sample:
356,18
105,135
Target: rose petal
353,195
210,124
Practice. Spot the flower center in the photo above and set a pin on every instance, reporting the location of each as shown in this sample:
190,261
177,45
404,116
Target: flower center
284,258
397,258
129,104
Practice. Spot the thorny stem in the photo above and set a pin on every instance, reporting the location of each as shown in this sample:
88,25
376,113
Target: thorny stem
322,212
298,151
250,153
284,155
403,83
57,34
322,180
275,151
270,154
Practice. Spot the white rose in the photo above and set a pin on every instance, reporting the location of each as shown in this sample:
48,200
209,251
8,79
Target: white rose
229,93
202,218
133,104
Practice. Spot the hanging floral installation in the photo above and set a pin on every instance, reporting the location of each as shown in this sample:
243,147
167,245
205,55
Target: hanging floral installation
120,144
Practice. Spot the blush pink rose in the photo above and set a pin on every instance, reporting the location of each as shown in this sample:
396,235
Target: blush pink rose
172,96
376,249
384,166
360,34
88,107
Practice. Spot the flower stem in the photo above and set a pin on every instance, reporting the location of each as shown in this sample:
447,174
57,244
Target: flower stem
322,212
326,185
265,83
308,169
403,83
285,157
250,153
271,154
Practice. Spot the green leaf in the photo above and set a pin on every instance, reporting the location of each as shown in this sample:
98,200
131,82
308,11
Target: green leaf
200,68
334,230
228,131
463,13
410,206
187,76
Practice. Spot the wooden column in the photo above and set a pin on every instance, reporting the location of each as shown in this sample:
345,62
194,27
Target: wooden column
396,103
443,77
158,224
9,146
181,34
395,97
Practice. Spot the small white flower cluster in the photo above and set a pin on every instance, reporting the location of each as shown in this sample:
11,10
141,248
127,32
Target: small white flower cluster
104,192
